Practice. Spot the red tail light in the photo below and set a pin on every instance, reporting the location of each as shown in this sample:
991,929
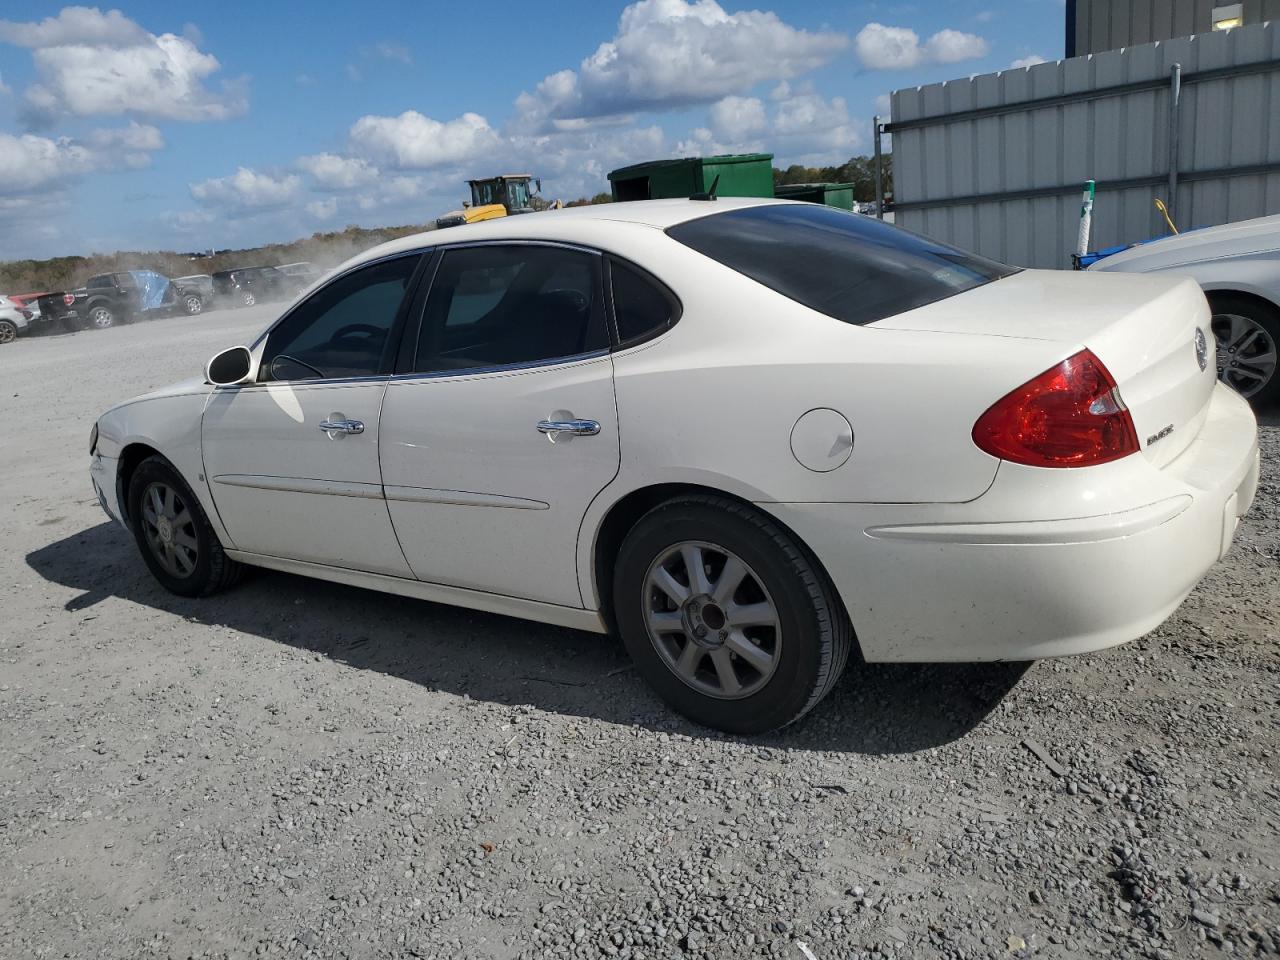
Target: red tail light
68,298
1069,416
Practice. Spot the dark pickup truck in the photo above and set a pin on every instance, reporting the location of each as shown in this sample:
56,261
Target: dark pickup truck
112,298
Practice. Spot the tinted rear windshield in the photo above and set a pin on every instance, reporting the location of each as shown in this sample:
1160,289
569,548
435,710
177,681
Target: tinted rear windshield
854,268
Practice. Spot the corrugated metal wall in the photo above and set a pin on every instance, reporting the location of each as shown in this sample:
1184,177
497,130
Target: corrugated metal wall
1110,24
944,165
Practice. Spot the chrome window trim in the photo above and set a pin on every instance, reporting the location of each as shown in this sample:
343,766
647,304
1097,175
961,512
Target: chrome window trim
503,368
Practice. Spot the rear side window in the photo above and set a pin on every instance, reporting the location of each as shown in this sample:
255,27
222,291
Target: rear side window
493,306
641,307
850,267
97,283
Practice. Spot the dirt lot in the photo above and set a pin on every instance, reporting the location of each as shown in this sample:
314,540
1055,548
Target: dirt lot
301,769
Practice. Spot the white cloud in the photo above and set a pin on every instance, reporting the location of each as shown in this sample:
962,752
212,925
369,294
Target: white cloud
333,172
247,189
91,63
952,46
323,209
30,163
737,118
881,47
884,105
673,53
1030,60
985,16
417,142
398,52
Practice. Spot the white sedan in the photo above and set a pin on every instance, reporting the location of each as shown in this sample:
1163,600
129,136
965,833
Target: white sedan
1238,266
752,437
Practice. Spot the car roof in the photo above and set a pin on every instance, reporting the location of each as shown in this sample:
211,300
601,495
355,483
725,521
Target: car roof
563,224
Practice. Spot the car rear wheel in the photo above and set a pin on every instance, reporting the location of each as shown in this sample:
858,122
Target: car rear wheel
727,617
8,331
193,304
248,299
178,544
1247,332
101,317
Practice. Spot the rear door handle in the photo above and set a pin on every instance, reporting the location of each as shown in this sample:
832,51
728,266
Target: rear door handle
332,427
555,429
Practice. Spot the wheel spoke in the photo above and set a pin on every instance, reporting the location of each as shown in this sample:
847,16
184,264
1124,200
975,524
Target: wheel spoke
664,581
751,615
157,505
1248,373
182,518
666,622
183,539
184,563
149,514
741,644
690,657
728,581
694,565
729,682
1250,334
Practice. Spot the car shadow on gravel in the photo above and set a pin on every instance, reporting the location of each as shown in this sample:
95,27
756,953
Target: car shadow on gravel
875,709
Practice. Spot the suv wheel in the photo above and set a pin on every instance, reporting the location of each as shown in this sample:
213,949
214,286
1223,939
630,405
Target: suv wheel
727,617
101,317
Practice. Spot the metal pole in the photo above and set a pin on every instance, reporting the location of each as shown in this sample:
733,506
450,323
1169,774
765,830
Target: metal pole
1175,96
879,175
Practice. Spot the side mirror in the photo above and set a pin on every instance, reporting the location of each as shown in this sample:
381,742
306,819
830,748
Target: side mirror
231,366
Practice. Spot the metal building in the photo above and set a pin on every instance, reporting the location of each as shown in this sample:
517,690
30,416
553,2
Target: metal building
995,163
1094,26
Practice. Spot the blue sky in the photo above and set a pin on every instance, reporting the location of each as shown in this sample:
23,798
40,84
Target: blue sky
168,125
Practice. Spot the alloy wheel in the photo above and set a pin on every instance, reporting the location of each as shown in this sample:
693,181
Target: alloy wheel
170,529
250,299
1246,353
8,332
711,619
101,317
194,305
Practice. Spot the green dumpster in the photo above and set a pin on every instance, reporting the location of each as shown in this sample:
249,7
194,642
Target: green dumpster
830,194
741,175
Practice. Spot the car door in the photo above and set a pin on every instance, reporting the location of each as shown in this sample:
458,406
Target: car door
502,427
292,459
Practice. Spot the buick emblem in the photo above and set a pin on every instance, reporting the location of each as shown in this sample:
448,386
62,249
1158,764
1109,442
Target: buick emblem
1202,349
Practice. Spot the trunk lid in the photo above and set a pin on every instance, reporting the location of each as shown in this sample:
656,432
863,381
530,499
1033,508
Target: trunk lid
1146,329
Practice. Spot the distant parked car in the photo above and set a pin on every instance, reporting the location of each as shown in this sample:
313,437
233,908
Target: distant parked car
301,274
112,298
1238,266
201,282
14,319
246,286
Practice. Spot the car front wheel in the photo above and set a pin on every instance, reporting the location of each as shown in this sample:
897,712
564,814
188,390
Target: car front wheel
1247,332
193,304
727,617
248,299
177,542
8,331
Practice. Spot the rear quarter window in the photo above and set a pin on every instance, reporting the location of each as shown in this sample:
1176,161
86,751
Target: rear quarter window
850,267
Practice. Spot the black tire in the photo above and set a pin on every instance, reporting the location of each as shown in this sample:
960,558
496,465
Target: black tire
100,316
8,331
815,636
212,570
1263,315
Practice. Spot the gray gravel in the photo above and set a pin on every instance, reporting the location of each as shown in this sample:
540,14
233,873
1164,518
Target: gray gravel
306,770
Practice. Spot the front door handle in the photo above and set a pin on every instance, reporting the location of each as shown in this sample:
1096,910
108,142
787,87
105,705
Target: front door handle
555,429
333,427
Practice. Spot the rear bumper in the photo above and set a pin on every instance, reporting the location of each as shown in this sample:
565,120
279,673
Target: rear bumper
979,581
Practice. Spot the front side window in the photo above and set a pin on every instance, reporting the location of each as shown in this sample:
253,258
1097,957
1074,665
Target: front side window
493,306
342,330
850,267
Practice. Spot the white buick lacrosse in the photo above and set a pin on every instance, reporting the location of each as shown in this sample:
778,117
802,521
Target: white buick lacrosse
751,437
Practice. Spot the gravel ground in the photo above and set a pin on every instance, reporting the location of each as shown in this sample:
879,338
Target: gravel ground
306,770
